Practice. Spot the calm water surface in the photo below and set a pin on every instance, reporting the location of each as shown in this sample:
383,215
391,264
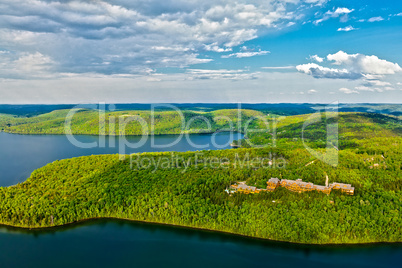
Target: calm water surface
115,243
22,154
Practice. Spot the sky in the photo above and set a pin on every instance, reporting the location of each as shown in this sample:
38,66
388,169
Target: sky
200,51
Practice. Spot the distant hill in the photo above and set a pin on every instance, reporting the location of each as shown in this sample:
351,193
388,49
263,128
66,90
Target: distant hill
86,122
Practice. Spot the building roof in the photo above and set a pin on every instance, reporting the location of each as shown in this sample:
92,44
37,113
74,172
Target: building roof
246,187
303,184
298,182
321,187
341,185
274,180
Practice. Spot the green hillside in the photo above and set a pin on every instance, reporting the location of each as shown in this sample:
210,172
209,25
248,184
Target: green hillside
165,122
352,127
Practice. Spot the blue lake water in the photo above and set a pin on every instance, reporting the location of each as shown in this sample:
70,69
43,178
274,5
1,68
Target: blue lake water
117,243
22,154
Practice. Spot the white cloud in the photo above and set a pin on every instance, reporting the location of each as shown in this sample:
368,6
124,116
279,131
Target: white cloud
377,83
340,11
246,54
215,48
374,19
364,64
364,88
318,71
220,74
370,70
290,23
31,65
279,68
347,29
373,89
316,58
174,48
373,76
343,10
116,37
312,91
334,14
348,91
316,2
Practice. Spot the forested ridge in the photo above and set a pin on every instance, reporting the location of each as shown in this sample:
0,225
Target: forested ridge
87,122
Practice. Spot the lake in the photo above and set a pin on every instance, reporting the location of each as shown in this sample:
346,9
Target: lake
117,243
22,154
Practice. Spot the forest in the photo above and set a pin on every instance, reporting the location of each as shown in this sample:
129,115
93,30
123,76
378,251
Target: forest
131,122
101,186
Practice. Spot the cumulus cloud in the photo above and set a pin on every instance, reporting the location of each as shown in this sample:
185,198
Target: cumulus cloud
339,11
348,91
371,70
215,48
32,65
312,91
364,64
347,29
336,13
374,19
353,66
118,37
316,58
318,71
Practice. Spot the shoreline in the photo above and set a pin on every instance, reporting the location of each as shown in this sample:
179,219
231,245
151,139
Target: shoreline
126,135
83,221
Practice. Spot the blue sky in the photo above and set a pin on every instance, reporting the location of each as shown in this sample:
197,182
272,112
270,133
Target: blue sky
254,51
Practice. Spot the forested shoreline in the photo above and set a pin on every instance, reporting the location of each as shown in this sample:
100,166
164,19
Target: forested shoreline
82,188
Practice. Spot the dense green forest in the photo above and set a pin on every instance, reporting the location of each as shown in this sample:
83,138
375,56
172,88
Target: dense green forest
90,122
187,189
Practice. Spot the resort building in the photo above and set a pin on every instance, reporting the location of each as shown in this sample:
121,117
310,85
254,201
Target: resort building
272,184
244,188
295,186
345,188
323,189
